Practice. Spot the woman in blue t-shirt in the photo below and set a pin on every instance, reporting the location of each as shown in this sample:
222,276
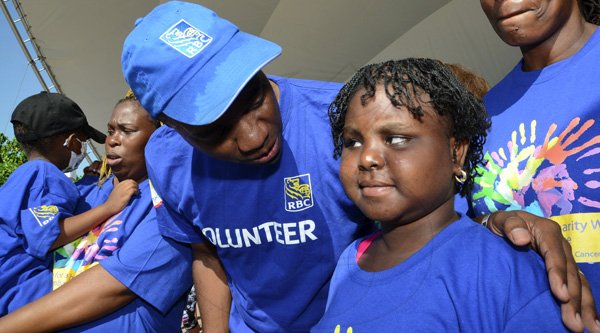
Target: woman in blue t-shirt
125,254
541,157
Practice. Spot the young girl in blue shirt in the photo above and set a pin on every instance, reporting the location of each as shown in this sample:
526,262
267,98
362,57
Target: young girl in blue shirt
410,136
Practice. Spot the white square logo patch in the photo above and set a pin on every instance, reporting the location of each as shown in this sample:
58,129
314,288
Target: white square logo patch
298,193
186,39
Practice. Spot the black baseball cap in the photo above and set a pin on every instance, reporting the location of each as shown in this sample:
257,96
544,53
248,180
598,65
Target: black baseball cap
46,114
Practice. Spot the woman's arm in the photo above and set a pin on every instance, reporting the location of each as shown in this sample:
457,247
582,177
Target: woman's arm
90,295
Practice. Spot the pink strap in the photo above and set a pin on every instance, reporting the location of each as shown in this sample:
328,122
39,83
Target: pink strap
364,245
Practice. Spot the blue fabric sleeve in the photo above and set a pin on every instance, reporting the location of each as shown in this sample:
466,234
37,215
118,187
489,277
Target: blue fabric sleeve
156,269
176,226
533,317
169,165
40,222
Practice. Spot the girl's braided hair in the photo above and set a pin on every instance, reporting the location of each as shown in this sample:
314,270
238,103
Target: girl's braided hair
405,81
591,11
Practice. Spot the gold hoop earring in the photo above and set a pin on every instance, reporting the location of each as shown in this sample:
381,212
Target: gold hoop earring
462,178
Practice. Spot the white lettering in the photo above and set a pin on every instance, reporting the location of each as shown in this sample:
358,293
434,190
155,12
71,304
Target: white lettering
219,243
254,237
278,233
238,244
306,229
211,238
290,233
265,226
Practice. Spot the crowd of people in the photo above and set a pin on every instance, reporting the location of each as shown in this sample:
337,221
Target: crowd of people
297,205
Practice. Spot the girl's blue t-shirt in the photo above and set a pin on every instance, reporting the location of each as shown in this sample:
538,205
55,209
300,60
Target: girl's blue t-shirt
33,200
464,280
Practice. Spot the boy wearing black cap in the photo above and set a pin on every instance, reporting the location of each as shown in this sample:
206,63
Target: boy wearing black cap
38,202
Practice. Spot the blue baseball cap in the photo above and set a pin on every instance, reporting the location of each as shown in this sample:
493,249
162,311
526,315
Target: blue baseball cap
190,64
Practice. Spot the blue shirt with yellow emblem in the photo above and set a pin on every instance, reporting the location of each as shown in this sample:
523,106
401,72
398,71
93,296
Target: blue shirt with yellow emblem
278,229
33,200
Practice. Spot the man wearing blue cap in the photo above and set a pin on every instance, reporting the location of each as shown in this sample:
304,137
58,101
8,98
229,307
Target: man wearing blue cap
261,188
244,172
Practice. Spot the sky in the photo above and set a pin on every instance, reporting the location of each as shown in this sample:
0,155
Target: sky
18,78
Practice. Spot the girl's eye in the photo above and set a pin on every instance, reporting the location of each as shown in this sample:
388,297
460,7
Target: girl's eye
111,132
350,143
397,140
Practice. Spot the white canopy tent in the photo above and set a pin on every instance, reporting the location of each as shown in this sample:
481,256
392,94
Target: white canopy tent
81,40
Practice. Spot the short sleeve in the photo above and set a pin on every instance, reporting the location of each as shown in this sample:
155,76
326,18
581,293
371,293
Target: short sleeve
156,269
169,164
174,225
537,316
40,220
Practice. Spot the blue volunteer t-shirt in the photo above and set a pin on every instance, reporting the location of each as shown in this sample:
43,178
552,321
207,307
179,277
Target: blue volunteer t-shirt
32,201
464,280
130,248
543,148
279,228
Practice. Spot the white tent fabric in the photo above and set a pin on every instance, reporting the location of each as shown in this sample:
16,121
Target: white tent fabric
321,39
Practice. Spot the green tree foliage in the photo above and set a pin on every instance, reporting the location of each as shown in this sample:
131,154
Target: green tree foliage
11,157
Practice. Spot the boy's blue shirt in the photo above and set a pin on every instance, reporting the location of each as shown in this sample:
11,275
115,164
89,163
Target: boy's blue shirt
34,199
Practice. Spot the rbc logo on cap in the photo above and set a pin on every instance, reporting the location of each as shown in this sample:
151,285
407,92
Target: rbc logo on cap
298,193
186,39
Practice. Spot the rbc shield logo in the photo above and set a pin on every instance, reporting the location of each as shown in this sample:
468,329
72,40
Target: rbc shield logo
186,39
44,214
298,193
